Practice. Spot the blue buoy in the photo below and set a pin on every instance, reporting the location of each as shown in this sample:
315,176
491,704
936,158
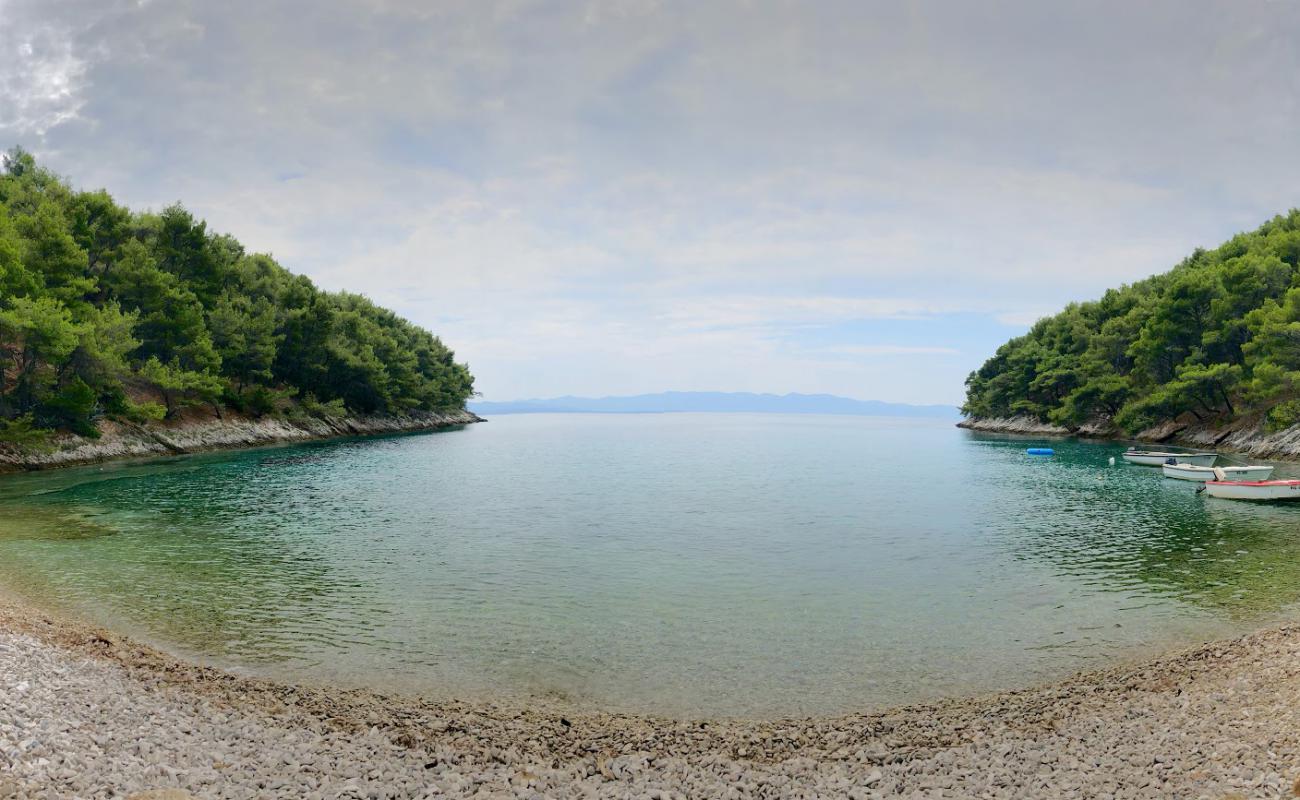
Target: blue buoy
1041,451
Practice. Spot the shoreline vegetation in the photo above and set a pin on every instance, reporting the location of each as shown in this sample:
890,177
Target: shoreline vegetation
89,713
131,326
1207,354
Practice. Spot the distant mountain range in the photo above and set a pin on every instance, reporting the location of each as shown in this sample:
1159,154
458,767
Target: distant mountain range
666,402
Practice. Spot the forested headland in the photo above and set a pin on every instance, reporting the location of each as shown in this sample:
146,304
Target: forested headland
133,316
1217,338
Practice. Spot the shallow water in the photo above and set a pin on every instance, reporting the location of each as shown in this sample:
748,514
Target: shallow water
684,564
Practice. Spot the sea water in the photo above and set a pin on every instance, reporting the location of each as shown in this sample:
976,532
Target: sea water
682,564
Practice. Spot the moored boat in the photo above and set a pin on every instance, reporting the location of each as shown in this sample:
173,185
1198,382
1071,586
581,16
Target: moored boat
1191,472
1155,458
1254,490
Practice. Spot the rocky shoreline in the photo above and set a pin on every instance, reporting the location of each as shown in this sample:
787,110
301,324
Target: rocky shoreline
89,714
1248,436
198,431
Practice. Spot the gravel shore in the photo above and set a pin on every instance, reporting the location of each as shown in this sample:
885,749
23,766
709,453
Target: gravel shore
85,713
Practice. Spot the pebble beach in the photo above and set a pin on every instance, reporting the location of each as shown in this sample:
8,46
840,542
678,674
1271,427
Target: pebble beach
85,713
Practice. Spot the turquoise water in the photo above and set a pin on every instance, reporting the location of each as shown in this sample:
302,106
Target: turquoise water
684,564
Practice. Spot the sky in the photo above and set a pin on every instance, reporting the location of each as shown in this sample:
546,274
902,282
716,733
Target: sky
854,197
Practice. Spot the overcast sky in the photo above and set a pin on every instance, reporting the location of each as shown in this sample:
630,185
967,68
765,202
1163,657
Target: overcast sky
616,197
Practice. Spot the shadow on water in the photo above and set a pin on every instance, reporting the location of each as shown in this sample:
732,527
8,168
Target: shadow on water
42,522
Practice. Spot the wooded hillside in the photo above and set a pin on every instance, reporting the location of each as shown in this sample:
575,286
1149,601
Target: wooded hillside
1215,337
105,311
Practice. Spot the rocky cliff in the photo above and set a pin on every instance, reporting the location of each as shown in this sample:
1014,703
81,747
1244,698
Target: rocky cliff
198,431
1247,435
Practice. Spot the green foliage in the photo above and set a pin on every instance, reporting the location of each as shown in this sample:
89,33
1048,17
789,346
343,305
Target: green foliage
139,413
117,404
36,336
23,434
180,387
259,401
72,406
329,410
1283,415
244,335
50,251
96,300
1217,336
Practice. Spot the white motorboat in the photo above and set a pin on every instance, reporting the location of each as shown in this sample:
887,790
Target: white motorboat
1154,458
1191,472
1254,490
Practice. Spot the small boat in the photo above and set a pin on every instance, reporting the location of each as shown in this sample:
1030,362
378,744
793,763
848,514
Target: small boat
1191,472
1040,451
1153,458
1254,490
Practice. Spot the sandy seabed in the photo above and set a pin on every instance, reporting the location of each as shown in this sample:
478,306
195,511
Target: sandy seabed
85,713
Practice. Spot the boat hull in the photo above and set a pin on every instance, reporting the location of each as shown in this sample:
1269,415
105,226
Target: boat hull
1191,472
1148,458
1254,490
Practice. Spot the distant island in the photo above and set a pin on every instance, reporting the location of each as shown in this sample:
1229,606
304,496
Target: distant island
670,402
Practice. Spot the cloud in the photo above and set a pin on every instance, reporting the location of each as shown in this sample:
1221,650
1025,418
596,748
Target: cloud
607,197
891,350
42,77
1022,318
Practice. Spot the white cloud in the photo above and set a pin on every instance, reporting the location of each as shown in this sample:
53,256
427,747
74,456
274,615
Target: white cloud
42,76
1022,318
890,350
636,196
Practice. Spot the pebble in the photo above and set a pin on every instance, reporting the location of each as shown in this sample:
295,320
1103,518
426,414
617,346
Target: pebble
1219,722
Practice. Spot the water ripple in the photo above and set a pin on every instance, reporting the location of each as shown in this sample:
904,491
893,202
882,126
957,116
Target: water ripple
712,564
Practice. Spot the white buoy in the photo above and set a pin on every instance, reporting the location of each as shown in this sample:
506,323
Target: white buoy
1112,461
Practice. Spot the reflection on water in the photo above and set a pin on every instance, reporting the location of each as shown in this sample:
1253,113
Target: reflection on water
745,564
1130,526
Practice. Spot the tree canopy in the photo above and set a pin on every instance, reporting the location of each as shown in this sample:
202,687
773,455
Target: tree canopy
1216,337
106,312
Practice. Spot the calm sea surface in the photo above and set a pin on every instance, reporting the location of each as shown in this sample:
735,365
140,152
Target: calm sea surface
685,564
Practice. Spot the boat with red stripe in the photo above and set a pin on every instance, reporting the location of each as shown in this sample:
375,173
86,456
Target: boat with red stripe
1254,490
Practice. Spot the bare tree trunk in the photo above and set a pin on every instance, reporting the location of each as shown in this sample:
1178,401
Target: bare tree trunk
1224,395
